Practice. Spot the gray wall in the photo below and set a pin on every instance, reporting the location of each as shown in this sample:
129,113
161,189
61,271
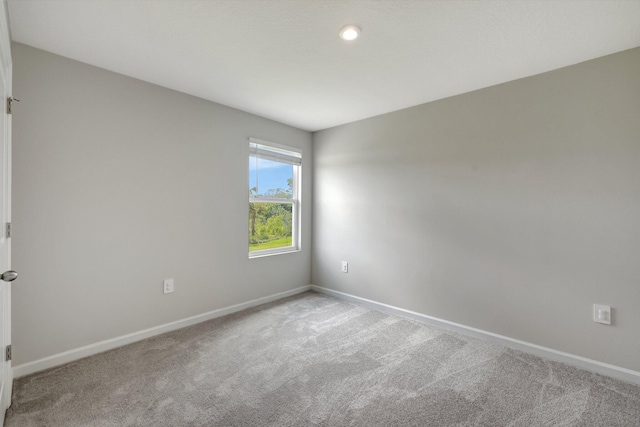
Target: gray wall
118,184
510,209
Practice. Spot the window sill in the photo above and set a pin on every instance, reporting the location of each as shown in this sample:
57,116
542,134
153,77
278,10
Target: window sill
267,253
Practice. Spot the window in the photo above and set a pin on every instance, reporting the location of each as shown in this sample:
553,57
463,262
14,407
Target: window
274,198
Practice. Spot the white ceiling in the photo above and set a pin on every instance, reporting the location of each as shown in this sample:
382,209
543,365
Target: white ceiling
283,59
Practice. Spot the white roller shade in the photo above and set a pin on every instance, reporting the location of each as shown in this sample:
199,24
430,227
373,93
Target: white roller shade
280,154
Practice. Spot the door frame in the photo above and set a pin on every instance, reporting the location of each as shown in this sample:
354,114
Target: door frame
6,64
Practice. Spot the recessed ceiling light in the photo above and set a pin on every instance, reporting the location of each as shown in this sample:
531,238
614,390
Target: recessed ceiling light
349,32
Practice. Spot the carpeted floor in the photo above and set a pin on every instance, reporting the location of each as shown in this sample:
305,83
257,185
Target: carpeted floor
311,360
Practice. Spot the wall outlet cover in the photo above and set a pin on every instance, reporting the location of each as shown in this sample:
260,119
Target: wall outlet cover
168,286
602,314
345,267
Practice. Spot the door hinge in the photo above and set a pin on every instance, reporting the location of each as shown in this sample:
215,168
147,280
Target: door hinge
7,355
7,230
10,101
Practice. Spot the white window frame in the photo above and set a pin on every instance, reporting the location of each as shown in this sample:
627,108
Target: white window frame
285,154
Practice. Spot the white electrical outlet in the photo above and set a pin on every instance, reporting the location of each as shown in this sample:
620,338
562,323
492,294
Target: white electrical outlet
602,314
168,286
345,267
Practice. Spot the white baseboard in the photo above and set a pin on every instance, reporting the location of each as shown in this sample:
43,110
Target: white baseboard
548,353
99,347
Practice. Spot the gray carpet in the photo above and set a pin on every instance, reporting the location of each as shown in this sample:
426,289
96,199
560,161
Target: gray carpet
311,360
